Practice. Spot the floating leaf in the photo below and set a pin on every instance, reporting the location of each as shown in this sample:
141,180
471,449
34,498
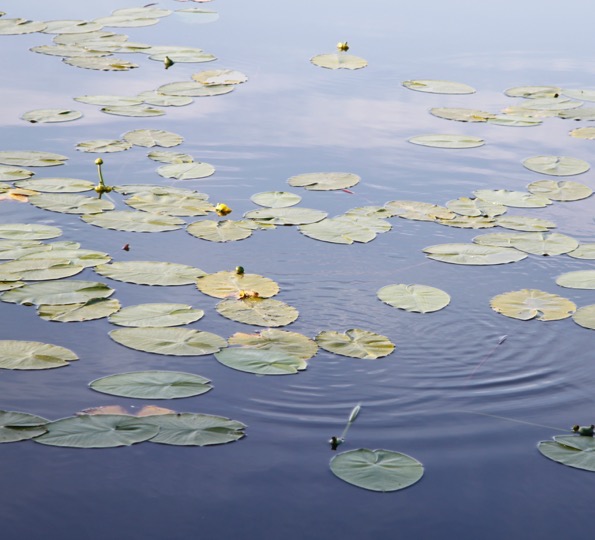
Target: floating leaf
51,115
581,279
170,203
104,63
355,343
97,431
152,385
57,292
276,199
473,254
533,304
56,185
9,174
273,340
156,315
585,317
469,222
20,26
439,87
539,243
286,216
514,120
150,272
153,137
97,308
533,92
195,15
518,199
18,426
196,429
141,12
461,115
67,203
180,55
64,250
110,100
170,157
194,89
169,341
104,145
377,470
33,355
475,207
134,221
447,141
419,211
230,284
556,165
71,27
186,171
126,21
220,76
152,97
551,104
415,298
339,60
586,95
220,231
139,111
258,311
32,158
583,133
25,231
260,362
584,113
524,223
571,450
38,269
69,50
560,191
583,251
324,181
346,229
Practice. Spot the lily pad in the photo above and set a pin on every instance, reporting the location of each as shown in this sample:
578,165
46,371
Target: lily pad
355,343
414,298
64,250
25,231
152,385
419,211
127,21
473,254
153,137
339,60
533,92
517,199
96,308
139,111
169,341
377,470
194,89
346,229
220,76
151,97
25,355
150,272
18,426
20,26
475,207
220,231
189,429
170,157
104,145
32,158
274,340
587,133
583,113
108,100
529,304
585,317
583,251
38,269
461,115
186,171
103,63
324,181
260,362
173,204
181,55
286,216
570,450
51,115
447,141
469,222
231,284
97,431
514,120
539,243
556,165
439,87
67,203
560,191
581,279
258,311
276,199
525,223
57,292
9,174
56,185
134,221
156,315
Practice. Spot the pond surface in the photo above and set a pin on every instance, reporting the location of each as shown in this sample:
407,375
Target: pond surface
470,409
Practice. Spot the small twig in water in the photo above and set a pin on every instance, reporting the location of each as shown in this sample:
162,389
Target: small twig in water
489,355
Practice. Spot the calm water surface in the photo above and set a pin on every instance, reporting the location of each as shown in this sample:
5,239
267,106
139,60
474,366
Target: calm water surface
432,397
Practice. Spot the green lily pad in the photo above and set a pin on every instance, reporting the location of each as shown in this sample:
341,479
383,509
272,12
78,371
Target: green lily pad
556,165
560,191
194,89
513,120
139,111
260,362
583,113
51,115
9,174
38,269
533,92
324,181
96,308
581,279
539,243
153,137
25,231
32,158
108,100
18,426
134,221
587,133
583,251
152,385
230,284
461,115
220,76
257,311
67,203
473,254
439,87
525,223
275,199
273,340
346,229
104,146
414,298
585,317
20,26
517,199
64,250
68,50
126,21
355,343
529,304
220,231
97,431
56,185
169,341
23,355
180,55
571,450
447,141
186,171
377,470
419,211
173,204
151,97
156,315
102,63
468,222
71,27
551,104
150,272
170,157
195,429
339,60
197,16
475,207
57,292
286,216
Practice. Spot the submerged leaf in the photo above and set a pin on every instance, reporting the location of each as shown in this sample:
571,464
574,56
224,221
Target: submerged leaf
529,304
220,76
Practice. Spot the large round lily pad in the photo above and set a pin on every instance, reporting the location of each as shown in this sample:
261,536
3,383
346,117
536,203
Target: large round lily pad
585,317
96,308
473,254
260,361
447,141
225,230
560,191
69,203
156,315
57,292
153,137
134,221
16,354
324,181
286,216
150,272
529,304
339,60
258,311
415,298
274,340
580,279
231,284
346,229
356,343
556,165
377,470
571,450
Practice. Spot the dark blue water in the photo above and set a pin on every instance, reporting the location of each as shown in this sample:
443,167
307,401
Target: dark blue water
484,477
